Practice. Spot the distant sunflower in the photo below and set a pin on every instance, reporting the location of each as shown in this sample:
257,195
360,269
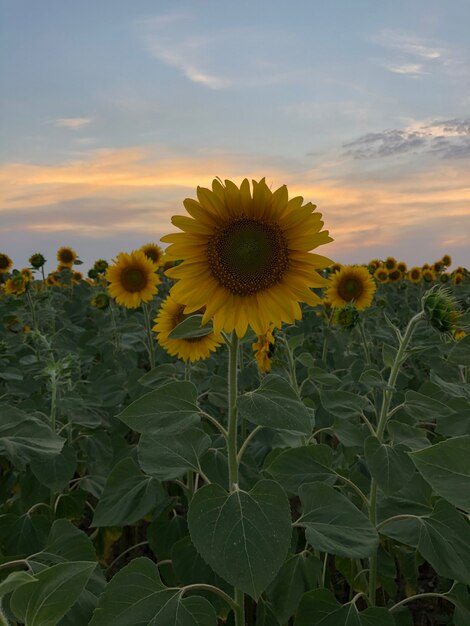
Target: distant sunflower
390,263
66,256
132,279
245,257
5,263
153,252
438,266
402,267
395,275
16,285
373,265
52,280
77,277
415,275
446,260
459,334
428,275
352,283
381,275
27,273
457,278
193,349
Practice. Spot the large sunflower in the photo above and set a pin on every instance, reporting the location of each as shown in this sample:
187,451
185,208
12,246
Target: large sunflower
245,256
352,283
153,252
5,263
66,256
193,349
132,279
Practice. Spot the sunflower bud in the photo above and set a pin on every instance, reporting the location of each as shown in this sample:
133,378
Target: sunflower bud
101,301
440,308
100,266
347,317
37,260
93,274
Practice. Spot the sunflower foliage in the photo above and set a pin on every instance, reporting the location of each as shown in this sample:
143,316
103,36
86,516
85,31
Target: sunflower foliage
351,502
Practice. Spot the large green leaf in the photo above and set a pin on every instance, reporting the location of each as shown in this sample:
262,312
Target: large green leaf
460,353
55,471
243,536
136,596
389,465
128,496
424,408
296,466
166,457
191,328
66,542
47,599
23,437
333,524
15,580
171,408
23,534
446,467
275,404
342,404
320,607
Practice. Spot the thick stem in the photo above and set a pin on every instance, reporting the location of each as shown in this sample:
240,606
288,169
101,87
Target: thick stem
150,339
383,417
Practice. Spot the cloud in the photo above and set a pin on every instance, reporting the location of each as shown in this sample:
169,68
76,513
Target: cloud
448,139
411,69
409,44
73,123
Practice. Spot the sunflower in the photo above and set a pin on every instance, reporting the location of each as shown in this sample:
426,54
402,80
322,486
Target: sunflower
352,283
414,275
192,349
77,277
381,275
5,263
245,257
402,267
437,266
100,266
37,260
373,265
132,279
395,275
153,252
16,285
459,334
27,273
457,278
66,256
52,280
428,275
446,260
390,263
263,349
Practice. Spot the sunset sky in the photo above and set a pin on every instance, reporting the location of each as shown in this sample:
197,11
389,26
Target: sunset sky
114,111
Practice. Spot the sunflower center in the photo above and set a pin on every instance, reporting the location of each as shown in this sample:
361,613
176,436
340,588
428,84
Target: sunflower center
66,256
350,289
152,254
247,256
133,279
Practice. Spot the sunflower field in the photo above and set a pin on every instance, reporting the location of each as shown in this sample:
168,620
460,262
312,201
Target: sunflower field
234,431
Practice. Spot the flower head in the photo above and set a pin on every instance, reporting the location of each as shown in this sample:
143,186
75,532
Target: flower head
415,275
381,275
245,256
66,256
440,308
132,279
263,349
5,263
352,283
153,252
37,260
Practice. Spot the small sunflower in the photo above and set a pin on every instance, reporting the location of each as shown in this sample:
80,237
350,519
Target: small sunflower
37,260
428,275
100,266
381,275
446,260
132,279
100,301
459,334
402,267
192,349
153,252
394,276
27,273
373,265
415,275
438,266
16,285
263,349
245,256
390,263
52,280
457,278
352,283
66,256
5,263
77,277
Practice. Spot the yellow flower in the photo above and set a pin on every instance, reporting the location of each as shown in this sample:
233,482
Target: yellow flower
394,276
153,252
402,267
66,256
428,275
191,349
132,279
381,275
27,274
263,349
245,257
16,285
414,275
352,283
390,263
459,334
457,278
52,280
77,277
5,263
446,260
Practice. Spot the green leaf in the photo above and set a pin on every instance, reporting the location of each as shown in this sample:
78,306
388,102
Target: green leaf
460,598
424,408
23,438
171,408
389,465
47,599
23,535
136,596
243,536
446,467
191,328
167,457
321,607
460,353
342,404
66,542
296,466
15,580
128,495
55,471
275,404
333,524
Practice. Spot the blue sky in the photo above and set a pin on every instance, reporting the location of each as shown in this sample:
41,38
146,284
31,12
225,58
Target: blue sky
112,112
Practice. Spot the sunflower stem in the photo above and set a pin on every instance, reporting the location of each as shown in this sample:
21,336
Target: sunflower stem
291,365
383,417
364,342
232,432
150,340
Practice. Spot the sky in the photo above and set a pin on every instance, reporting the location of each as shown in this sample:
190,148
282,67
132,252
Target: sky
112,112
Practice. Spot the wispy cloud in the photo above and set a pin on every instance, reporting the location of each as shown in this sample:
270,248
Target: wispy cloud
413,55
73,123
411,69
